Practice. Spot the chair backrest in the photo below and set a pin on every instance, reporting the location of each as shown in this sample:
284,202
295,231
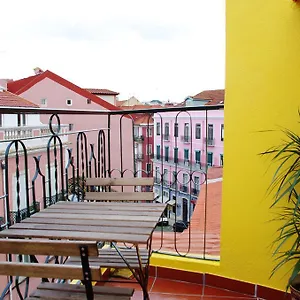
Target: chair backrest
120,196
47,247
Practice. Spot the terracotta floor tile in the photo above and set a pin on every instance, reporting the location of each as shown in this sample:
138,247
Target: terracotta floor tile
213,291
163,296
130,284
226,298
162,285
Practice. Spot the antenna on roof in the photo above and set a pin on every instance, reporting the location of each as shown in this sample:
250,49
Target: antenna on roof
38,71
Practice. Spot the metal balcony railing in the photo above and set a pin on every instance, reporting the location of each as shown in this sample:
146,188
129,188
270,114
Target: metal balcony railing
184,163
184,188
58,170
186,138
209,141
195,191
138,156
14,217
139,138
166,137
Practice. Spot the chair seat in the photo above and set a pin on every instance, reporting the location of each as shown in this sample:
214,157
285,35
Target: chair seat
71,291
109,258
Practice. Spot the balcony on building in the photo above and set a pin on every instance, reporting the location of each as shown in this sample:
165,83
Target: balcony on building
209,141
186,138
138,138
138,156
166,137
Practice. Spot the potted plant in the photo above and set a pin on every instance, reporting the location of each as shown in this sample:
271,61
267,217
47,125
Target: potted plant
285,192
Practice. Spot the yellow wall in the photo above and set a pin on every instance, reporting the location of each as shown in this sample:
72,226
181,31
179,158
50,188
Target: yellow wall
262,92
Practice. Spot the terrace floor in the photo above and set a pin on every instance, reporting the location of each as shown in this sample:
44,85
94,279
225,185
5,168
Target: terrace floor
162,288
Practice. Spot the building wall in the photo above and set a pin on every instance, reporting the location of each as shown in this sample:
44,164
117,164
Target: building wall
57,95
147,157
109,98
262,68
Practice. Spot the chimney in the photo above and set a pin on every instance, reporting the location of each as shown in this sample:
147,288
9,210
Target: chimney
38,71
3,84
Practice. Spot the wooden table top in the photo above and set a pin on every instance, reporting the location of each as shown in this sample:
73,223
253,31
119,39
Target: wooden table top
95,221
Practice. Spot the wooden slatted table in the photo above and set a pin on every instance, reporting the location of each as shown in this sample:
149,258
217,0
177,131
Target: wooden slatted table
113,222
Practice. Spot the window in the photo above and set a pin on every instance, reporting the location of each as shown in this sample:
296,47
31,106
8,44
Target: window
44,102
176,155
1,120
209,158
88,101
69,102
186,156
148,168
157,128
166,153
198,132
222,132
166,194
71,127
157,174
186,129
210,132
149,149
167,130
197,156
21,120
136,131
149,132
157,151
165,175
221,160
185,179
196,182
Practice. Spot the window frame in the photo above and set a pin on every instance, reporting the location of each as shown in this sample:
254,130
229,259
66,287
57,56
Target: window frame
158,153
222,132
167,156
45,100
148,170
71,103
198,131
221,159
158,128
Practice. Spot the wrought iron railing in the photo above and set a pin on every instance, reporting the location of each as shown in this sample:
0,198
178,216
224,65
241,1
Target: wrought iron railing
17,216
139,156
139,138
96,152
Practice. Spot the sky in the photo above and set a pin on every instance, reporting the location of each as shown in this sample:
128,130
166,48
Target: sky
158,49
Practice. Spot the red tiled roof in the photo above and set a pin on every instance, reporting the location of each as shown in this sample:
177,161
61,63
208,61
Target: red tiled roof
144,119
209,223
214,172
213,96
22,85
102,92
120,103
11,100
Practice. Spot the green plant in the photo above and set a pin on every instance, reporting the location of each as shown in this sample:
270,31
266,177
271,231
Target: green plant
283,187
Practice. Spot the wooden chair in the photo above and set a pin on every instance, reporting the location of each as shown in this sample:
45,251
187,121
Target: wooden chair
84,271
120,196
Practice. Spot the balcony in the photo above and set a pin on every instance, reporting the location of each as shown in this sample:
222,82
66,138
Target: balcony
138,156
186,138
166,137
90,158
183,163
209,141
195,191
138,138
184,188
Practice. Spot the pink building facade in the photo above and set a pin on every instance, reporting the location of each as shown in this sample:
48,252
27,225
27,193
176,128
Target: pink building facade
48,90
143,146
186,145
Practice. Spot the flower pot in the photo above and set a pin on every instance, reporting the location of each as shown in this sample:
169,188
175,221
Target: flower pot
295,288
